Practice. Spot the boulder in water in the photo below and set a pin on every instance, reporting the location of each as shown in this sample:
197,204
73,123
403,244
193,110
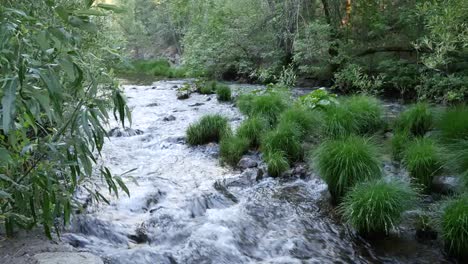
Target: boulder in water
169,118
67,257
246,163
126,132
446,184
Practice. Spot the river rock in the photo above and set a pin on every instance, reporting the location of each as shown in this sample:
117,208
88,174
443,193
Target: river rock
67,257
445,184
183,95
299,171
169,118
127,132
246,163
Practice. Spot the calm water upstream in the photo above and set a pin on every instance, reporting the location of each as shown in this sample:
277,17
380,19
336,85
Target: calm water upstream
186,208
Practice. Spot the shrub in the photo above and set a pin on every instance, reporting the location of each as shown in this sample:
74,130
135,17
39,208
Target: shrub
232,148
309,122
338,122
285,139
223,92
367,112
376,207
453,123
398,143
421,158
344,162
209,128
253,129
418,119
454,225
268,106
277,163
244,103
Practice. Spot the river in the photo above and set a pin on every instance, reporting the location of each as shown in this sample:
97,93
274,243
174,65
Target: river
187,208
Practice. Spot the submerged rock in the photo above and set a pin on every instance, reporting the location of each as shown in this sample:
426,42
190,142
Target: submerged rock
182,95
446,184
127,132
246,163
169,118
67,257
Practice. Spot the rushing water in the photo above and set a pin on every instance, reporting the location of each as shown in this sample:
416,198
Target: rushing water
187,208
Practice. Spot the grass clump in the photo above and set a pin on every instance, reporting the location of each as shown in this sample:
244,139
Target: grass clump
367,112
421,159
268,106
232,148
338,122
454,225
456,154
277,163
284,138
398,144
209,128
344,162
253,129
376,207
208,88
223,93
453,123
417,119
244,103
308,122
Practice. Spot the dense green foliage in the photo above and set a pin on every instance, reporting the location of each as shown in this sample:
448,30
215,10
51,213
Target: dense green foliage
156,68
422,159
411,48
210,128
377,206
344,162
454,224
417,119
57,94
232,148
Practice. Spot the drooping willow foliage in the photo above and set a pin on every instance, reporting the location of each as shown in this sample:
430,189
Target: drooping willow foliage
56,96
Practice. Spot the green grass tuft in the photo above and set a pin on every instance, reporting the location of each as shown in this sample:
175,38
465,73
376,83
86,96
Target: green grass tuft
456,156
453,124
268,106
223,92
277,163
422,159
253,129
284,138
376,207
232,148
338,122
398,143
208,88
309,122
417,119
344,162
209,128
244,103
454,225
367,112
